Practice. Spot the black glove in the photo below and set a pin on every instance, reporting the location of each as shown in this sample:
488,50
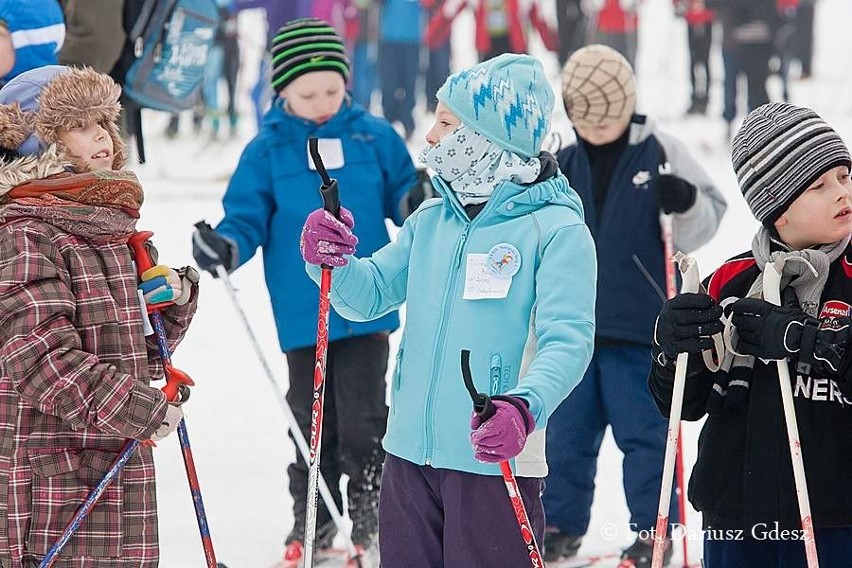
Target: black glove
777,332
687,324
674,194
419,192
211,249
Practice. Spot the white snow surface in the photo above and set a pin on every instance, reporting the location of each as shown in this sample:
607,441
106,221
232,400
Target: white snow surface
237,428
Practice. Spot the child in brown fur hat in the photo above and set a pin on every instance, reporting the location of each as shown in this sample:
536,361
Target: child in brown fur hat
75,365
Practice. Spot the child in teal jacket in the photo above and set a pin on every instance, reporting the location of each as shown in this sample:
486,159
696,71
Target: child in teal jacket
503,265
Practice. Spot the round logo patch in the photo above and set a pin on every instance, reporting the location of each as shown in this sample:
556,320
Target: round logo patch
504,260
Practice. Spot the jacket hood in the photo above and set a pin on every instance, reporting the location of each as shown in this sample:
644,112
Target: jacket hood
31,167
641,128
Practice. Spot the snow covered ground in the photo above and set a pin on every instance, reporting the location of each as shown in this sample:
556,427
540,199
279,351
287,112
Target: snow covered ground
235,423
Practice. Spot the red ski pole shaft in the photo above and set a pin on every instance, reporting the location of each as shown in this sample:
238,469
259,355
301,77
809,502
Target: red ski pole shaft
177,383
331,203
520,510
484,408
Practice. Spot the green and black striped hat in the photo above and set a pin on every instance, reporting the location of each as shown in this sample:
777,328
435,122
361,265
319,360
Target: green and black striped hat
303,46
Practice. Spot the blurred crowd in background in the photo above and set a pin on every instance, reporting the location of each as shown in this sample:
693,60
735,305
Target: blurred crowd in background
401,49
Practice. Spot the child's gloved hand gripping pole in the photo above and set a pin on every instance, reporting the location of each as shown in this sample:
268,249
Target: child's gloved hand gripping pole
176,390
331,203
485,409
180,382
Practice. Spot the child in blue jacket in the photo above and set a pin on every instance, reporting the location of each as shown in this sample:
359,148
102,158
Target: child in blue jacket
503,265
268,198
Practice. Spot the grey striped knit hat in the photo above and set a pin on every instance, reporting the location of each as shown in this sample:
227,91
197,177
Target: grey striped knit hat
303,46
780,150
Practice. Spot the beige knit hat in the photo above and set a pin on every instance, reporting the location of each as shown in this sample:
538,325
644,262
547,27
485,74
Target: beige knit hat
598,84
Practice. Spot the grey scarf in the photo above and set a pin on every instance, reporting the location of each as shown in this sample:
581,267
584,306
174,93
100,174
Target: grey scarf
807,272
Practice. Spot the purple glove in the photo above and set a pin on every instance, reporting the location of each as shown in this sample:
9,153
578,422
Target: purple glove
326,239
502,436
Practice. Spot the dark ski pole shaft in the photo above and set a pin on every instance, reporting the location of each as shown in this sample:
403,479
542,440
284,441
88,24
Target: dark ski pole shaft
143,263
176,387
484,408
331,203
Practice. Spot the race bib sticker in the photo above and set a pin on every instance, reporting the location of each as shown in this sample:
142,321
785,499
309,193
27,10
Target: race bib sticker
480,283
331,151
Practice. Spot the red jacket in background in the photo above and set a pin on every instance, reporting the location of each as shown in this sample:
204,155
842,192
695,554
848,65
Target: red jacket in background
438,28
695,12
613,19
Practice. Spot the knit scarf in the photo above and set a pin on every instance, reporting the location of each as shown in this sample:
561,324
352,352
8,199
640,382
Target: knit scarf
474,166
101,206
805,272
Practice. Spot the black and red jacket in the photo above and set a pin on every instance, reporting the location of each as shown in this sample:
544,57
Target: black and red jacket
744,475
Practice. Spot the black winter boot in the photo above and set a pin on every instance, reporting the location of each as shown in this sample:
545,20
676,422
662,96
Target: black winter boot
558,546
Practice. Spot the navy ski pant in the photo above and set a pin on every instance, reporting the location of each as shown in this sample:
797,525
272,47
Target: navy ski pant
399,67
613,392
443,518
834,548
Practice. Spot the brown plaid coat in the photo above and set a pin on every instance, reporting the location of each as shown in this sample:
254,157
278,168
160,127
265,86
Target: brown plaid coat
74,385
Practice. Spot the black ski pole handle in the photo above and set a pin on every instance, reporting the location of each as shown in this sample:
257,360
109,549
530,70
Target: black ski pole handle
482,405
329,189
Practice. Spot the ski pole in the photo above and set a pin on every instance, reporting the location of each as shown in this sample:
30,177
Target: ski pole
331,203
689,271
176,388
292,423
772,294
88,504
671,291
484,408
144,262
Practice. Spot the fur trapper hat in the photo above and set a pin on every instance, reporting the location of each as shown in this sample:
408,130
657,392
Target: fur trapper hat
36,104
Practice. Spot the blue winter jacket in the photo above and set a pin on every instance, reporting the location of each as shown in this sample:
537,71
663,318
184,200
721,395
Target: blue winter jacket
535,343
401,21
38,32
628,237
273,190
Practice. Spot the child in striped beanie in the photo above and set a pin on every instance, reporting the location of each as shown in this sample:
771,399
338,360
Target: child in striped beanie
310,69
793,170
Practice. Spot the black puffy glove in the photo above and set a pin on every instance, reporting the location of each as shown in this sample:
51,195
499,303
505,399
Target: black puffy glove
777,332
674,194
210,249
687,324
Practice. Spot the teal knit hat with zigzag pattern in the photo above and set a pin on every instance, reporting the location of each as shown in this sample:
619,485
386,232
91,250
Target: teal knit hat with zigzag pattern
507,99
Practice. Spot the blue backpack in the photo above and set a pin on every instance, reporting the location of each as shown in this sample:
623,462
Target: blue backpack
171,40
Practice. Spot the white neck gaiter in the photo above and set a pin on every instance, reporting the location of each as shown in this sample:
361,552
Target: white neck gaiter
474,166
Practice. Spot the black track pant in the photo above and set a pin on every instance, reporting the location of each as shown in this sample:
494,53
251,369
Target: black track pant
355,417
